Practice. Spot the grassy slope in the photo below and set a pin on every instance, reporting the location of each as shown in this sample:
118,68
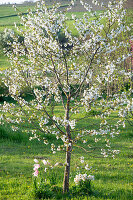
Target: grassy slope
8,11
112,176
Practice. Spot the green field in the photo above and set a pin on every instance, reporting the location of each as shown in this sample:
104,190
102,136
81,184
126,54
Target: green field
7,12
113,177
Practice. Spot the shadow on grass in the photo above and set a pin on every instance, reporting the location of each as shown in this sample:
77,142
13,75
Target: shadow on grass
7,133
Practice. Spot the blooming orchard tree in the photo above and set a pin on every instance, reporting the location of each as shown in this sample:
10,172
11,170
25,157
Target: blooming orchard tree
73,73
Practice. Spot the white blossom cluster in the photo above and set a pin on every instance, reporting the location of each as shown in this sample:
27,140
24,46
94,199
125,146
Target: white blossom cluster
108,152
82,177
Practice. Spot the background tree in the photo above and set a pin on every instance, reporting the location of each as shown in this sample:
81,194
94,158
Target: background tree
71,73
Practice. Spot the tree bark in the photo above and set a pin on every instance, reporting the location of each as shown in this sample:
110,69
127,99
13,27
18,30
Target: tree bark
68,151
67,170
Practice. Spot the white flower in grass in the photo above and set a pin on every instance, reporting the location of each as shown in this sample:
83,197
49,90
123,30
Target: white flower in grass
87,167
90,177
56,164
45,169
36,172
84,177
82,159
36,166
45,162
36,161
84,141
77,179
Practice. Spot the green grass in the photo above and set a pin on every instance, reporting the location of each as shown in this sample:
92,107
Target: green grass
9,21
6,12
9,10
4,62
113,178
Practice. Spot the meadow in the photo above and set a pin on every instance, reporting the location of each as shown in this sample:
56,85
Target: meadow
113,177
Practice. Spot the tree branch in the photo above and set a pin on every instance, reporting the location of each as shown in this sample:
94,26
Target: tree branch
77,91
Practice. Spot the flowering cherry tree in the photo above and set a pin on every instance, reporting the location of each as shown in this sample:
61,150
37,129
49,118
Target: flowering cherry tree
72,74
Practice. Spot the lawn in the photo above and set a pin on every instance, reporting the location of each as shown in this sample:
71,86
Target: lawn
113,178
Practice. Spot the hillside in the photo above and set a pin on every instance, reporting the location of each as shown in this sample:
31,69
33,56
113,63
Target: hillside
8,15
79,8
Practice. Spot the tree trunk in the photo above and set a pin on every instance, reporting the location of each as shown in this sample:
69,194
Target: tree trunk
67,170
68,151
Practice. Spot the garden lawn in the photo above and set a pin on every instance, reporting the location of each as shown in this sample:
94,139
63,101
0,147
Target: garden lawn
113,177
